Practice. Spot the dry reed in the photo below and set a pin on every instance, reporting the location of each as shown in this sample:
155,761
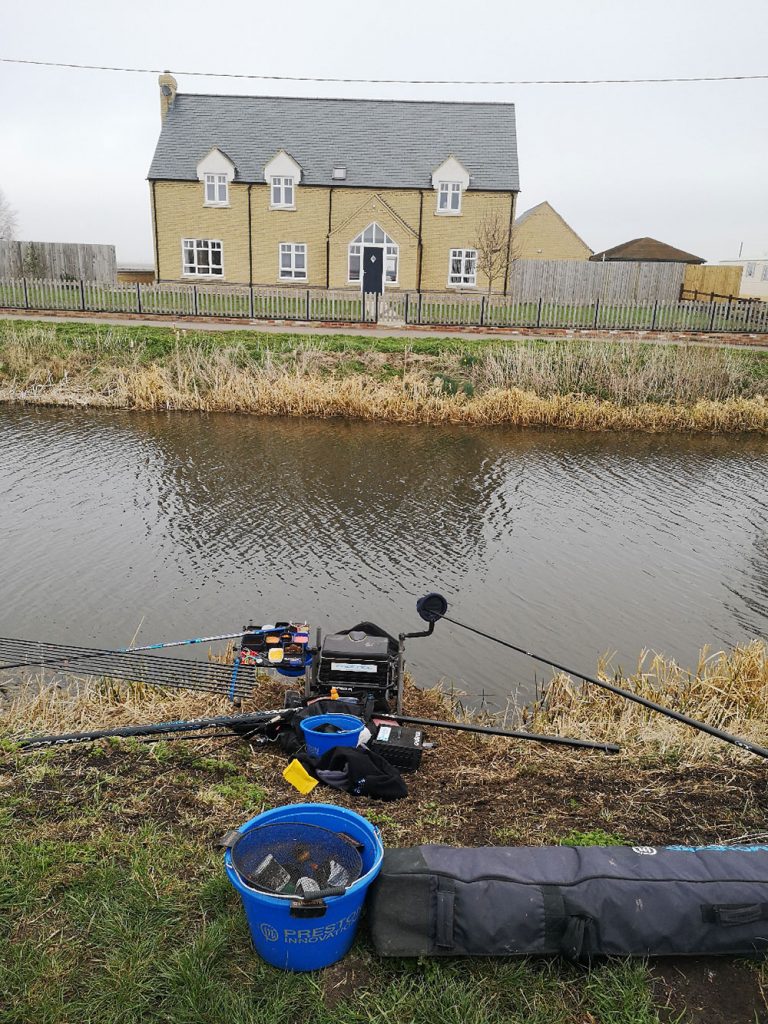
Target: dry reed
587,386
728,690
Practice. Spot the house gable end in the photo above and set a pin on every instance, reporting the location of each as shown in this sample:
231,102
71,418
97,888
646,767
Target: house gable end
375,208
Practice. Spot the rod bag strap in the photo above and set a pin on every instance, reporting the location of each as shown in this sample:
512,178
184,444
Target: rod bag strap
444,919
728,915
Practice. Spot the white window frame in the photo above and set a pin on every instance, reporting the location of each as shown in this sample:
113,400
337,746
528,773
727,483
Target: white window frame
750,270
293,273
220,187
466,279
764,272
450,191
389,250
198,245
282,183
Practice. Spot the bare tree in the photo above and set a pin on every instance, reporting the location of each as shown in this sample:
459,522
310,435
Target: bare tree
8,219
495,247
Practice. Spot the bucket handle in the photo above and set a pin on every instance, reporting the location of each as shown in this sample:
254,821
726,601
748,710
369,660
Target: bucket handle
314,905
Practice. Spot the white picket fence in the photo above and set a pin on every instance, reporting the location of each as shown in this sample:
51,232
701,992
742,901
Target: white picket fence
348,306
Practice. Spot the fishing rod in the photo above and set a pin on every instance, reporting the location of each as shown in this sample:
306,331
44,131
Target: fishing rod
146,647
608,748
174,672
737,741
236,723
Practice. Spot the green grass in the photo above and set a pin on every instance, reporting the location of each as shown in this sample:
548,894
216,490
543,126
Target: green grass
596,837
109,915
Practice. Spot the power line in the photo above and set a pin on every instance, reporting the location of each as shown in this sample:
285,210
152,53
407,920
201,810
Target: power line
393,81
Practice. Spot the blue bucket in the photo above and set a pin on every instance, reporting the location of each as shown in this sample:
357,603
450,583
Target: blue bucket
319,742
282,933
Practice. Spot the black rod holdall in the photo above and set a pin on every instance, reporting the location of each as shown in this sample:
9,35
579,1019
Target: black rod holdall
578,902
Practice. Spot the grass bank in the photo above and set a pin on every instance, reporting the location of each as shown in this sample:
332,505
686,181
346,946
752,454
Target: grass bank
578,384
116,908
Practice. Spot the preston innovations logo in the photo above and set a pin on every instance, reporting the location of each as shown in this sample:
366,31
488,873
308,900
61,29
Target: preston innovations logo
649,851
270,934
320,934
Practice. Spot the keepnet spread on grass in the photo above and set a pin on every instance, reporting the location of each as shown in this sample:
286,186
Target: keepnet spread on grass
578,384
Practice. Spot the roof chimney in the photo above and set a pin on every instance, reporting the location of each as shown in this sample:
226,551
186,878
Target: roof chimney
168,86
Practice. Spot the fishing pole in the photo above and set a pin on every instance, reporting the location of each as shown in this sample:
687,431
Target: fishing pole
233,722
608,748
206,676
737,741
149,647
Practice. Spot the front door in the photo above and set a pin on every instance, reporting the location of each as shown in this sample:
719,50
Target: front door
373,269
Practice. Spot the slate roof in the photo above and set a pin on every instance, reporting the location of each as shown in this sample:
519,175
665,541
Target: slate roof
382,143
647,250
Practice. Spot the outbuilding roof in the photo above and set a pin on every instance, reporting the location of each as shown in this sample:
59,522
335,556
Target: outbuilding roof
381,143
647,250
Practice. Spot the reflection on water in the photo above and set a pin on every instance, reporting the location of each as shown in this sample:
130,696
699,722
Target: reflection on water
572,544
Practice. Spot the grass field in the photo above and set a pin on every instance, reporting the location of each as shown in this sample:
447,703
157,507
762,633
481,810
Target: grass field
116,910
591,385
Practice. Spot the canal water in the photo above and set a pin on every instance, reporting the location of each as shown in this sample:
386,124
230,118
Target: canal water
161,526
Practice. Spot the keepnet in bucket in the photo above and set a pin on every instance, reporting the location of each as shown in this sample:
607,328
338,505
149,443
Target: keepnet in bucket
298,934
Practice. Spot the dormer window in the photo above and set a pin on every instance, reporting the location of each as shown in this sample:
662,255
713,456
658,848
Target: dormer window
282,193
449,197
215,172
216,190
449,180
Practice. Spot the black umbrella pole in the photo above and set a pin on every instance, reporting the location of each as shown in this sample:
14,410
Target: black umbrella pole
726,737
153,729
608,748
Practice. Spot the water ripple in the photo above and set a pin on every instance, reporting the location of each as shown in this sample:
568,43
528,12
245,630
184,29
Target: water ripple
573,544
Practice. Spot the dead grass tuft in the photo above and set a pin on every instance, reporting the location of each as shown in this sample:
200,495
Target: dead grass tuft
728,690
579,385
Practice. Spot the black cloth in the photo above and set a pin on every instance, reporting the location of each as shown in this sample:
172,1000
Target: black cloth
290,737
356,770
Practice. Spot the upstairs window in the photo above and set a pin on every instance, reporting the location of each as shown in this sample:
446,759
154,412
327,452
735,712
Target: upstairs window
462,268
293,261
216,191
449,197
202,257
282,193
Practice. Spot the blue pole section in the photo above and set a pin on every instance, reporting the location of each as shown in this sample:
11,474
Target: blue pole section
185,643
233,680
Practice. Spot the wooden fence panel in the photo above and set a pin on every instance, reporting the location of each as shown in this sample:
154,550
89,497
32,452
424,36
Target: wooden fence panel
280,303
336,306
47,261
54,295
172,299
584,283
446,309
110,298
222,300
12,294
710,279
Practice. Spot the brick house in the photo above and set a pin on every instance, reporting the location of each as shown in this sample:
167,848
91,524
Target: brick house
541,234
329,193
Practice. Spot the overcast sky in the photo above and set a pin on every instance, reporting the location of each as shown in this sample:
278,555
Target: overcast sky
687,164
